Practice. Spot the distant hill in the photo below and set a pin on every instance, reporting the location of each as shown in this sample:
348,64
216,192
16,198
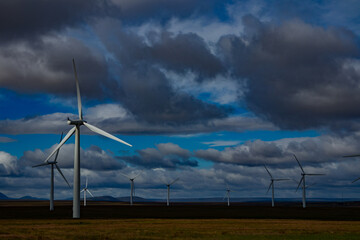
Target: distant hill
30,198
3,196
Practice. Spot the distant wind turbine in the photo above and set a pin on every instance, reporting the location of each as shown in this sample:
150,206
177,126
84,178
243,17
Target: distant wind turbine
132,187
227,194
85,189
168,190
76,129
302,180
272,180
349,156
52,176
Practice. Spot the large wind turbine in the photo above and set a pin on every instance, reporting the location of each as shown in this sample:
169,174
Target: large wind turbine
85,189
272,185
76,129
302,180
52,176
132,187
168,190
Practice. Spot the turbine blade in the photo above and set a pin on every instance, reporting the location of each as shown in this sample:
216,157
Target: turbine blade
43,164
269,187
355,155
57,152
315,174
137,175
86,182
268,171
302,178
68,135
102,132
356,180
82,190
57,167
174,181
125,175
89,192
299,164
226,194
77,91
281,179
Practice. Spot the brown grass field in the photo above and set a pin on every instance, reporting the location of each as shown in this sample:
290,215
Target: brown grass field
101,220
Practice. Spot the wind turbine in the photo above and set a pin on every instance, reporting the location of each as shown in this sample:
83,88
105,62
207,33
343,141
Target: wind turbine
168,190
356,155
76,129
85,189
302,180
52,176
227,194
272,185
132,187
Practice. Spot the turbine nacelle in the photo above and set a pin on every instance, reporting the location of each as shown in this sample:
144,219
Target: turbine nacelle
75,122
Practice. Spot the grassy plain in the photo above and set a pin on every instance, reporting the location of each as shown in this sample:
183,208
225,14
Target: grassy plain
32,220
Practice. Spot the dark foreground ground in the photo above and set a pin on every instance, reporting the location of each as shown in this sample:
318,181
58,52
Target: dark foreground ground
114,210
114,220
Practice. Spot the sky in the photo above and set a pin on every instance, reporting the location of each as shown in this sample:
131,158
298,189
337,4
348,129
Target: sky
207,91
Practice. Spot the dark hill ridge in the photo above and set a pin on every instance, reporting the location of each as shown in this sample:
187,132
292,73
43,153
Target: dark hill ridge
3,196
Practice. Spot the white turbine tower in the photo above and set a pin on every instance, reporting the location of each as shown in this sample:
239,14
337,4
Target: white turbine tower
302,180
52,176
272,180
168,190
85,189
132,187
76,129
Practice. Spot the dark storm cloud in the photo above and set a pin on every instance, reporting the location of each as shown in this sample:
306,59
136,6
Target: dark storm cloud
322,149
165,155
144,89
143,10
299,75
22,19
46,66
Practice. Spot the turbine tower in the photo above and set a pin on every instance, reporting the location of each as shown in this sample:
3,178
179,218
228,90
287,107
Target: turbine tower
132,187
302,180
85,189
168,190
76,129
272,180
52,176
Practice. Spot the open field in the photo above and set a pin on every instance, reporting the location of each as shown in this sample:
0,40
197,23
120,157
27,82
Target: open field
32,220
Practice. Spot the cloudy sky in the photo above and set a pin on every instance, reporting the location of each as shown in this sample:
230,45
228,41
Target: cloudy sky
207,91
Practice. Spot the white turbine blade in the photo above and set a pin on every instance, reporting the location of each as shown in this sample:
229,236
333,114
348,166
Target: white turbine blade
281,179
102,132
43,164
82,190
268,171
299,164
57,152
89,192
299,183
137,175
174,181
125,175
269,187
355,155
57,167
68,135
356,180
77,91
